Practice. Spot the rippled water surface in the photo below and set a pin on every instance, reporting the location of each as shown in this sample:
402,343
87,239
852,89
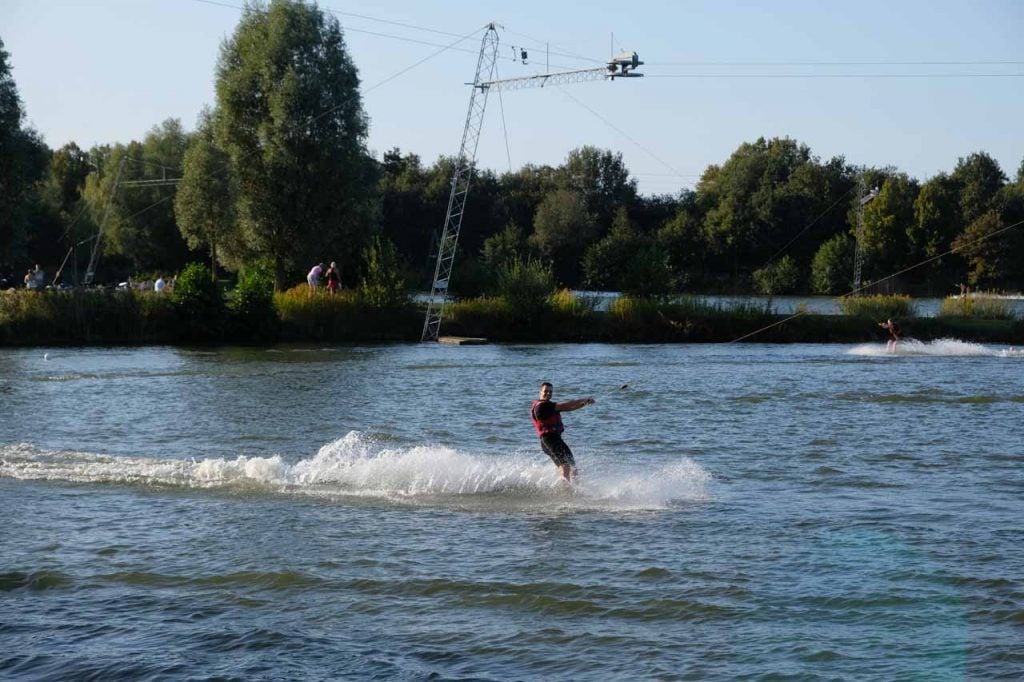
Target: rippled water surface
744,512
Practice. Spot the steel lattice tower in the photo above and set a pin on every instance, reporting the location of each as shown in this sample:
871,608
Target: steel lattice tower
461,177
619,66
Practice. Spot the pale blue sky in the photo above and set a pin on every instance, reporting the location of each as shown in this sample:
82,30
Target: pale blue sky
833,75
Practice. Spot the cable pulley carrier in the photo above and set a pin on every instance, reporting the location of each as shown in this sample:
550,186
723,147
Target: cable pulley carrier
621,65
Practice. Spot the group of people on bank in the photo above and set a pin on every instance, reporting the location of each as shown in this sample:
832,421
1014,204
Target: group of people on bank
331,277
35,279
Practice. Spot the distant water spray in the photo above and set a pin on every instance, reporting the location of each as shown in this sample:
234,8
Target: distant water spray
939,347
360,466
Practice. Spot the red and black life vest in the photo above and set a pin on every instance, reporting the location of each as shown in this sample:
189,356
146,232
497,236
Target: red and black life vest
552,424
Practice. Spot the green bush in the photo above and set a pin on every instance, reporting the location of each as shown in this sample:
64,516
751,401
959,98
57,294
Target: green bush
526,287
832,266
252,307
878,307
565,302
308,314
630,308
199,304
978,307
481,316
780,277
78,316
383,286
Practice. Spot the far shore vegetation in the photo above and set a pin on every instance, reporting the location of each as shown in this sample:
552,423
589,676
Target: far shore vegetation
200,311
276,176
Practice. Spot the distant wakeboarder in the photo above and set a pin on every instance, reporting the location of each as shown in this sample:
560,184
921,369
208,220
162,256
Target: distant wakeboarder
894,334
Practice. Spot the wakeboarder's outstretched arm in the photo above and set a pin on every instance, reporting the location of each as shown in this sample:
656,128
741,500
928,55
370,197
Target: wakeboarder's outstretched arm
570,405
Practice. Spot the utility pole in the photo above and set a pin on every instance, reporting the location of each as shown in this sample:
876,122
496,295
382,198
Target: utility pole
619,66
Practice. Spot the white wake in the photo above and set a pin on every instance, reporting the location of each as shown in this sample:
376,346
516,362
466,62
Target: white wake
938,347
360,466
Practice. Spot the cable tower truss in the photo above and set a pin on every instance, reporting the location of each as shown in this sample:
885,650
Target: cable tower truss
94,257
620,66
863,199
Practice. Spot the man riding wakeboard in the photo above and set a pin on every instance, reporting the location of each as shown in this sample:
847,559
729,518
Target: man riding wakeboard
547,419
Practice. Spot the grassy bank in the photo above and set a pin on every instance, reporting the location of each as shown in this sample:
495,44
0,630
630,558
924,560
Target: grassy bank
105,317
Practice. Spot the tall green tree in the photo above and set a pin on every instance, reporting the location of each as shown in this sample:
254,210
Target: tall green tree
628,261
69,167
562,229
887,221
607,261
993,245
406,216
62,221
937,221
205,203
992,252
760,202
140,226
290,116
504,247
682,241
523,190
599,176
23,160
832,266
980,178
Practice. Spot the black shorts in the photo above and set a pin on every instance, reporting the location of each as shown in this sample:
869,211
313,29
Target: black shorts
557,450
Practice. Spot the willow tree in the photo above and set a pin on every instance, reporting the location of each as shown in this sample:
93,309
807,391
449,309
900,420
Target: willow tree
204,205
290,117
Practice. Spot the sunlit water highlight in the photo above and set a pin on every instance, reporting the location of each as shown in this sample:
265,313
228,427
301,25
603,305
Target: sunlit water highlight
744,512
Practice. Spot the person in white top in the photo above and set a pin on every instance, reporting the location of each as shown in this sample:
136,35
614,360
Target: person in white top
313,278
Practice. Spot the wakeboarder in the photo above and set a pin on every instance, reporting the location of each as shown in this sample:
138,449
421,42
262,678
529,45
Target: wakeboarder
547,419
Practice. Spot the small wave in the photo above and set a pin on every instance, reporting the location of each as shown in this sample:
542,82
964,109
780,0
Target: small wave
928,397
938,347
362,466
35,580
276,580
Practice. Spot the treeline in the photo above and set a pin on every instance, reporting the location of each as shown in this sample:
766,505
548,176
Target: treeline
276,177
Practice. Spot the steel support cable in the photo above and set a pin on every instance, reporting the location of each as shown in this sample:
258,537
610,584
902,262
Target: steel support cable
504,128
623,133
144,162
153,205
810,225
887,277
352,29
81,213
397,74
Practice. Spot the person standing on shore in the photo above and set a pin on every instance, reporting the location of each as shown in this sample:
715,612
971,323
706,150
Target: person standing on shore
313,278
547,419
333,278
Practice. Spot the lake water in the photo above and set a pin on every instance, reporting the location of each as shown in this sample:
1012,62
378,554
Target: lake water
817,305
384,512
